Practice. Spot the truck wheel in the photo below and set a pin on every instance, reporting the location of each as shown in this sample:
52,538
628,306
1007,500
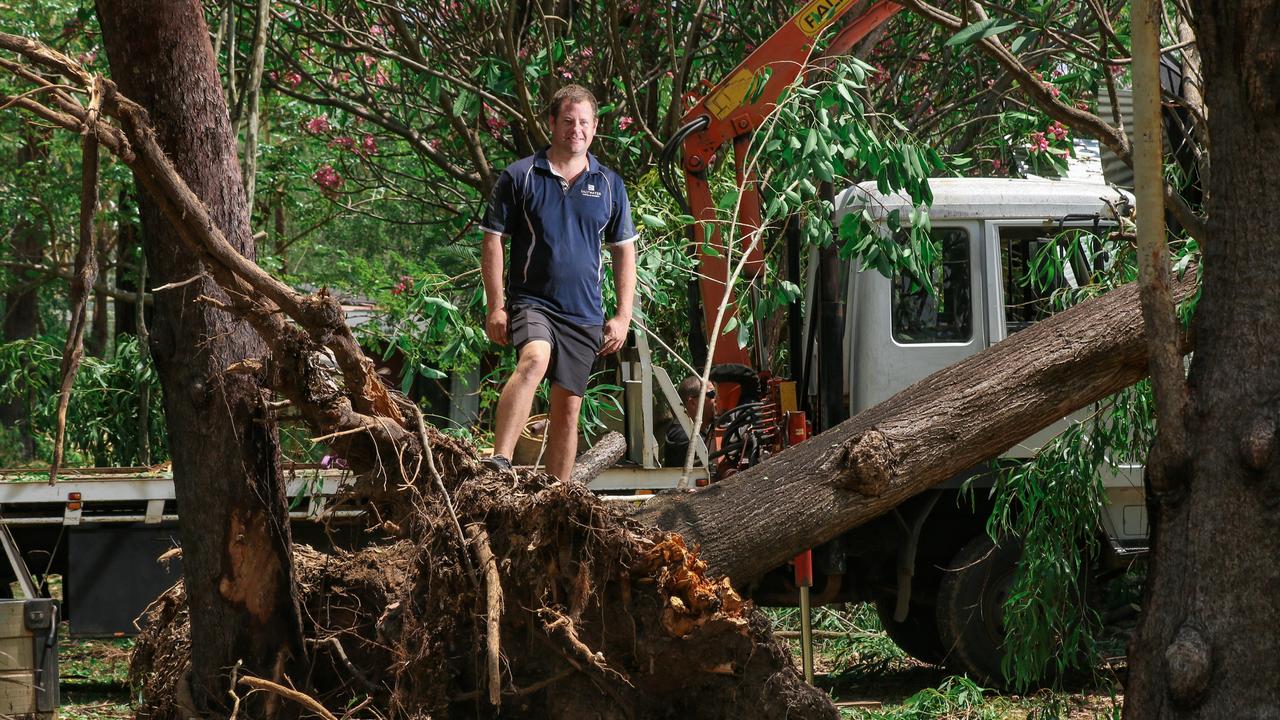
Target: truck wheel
917,635
970,613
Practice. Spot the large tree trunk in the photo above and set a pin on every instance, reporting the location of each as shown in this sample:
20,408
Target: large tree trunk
1206,643
942,425
235,532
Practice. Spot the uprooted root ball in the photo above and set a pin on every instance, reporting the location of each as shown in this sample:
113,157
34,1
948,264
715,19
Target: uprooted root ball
599,617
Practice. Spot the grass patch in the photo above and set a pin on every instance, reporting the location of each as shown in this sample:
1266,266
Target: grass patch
870,678
93,678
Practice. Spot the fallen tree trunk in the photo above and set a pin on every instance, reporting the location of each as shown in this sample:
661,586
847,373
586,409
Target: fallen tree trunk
940,426
602,456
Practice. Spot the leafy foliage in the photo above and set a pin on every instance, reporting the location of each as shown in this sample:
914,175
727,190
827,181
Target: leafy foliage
103,418
1053,502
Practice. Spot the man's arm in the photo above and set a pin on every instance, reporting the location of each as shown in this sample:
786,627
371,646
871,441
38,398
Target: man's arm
495,325
624,281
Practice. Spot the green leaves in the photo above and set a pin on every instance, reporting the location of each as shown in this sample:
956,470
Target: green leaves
978,31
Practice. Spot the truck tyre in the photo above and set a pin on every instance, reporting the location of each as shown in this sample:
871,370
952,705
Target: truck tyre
917,635
970,613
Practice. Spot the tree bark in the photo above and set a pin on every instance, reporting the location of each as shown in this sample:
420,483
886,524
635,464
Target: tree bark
942,425
1206,642
235,531
607,451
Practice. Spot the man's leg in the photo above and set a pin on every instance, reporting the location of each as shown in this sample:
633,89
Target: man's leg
562,441
517,396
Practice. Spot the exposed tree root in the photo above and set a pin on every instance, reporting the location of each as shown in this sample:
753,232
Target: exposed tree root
598,617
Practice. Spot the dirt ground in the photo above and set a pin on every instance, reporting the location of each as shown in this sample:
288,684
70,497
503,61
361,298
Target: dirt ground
872,681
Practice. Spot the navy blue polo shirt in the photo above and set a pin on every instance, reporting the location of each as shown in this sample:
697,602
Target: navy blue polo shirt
556,230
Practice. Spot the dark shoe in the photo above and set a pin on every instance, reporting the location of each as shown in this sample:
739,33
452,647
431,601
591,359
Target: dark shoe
498,463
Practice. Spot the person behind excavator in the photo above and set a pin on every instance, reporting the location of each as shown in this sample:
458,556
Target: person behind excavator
555,208
677,440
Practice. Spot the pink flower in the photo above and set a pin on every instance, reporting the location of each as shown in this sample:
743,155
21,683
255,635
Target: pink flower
399,288
433,144
495,123
1082,105
380,78
367,60
338,77
625,122
343,142
368,145
566,74
1053,89
327,178
292,79
376,30
1039,143
407,281
1058,130
318,124
997,165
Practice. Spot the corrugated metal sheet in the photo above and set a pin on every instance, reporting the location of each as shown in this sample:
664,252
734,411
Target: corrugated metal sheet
1116,172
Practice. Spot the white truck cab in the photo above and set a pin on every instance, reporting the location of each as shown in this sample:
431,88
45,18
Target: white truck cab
938,581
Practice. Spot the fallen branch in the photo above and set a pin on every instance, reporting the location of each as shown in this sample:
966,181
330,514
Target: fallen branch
302,699
606,453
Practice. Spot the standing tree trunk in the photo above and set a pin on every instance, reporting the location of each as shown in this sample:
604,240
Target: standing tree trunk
235,532
1206,643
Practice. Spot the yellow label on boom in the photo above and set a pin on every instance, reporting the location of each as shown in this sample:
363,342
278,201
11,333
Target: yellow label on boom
818,14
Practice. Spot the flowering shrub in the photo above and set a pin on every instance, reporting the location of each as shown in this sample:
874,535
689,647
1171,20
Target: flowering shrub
327,178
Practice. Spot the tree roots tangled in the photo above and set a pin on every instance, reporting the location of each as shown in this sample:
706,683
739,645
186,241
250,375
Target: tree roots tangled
555,605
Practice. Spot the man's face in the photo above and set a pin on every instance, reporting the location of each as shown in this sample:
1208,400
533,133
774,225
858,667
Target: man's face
708,408
574,128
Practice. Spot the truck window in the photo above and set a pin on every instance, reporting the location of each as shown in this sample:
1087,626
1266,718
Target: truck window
1024,302
947,315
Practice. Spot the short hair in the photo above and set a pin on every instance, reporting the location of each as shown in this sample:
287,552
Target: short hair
690,387
570,95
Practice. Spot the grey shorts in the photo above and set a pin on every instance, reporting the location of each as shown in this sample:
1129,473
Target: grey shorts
573,347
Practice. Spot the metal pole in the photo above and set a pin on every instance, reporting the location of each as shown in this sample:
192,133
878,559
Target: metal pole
804,580
806,635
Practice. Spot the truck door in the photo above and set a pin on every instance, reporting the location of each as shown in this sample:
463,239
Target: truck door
1013,301
898,333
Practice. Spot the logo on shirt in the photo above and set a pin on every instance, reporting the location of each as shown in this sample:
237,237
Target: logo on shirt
590,191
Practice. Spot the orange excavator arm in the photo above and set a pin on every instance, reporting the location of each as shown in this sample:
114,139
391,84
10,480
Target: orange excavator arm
730,113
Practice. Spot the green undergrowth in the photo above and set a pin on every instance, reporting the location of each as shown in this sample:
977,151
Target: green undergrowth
93,678
870,678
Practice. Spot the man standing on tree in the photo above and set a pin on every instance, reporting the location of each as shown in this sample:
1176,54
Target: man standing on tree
556,207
